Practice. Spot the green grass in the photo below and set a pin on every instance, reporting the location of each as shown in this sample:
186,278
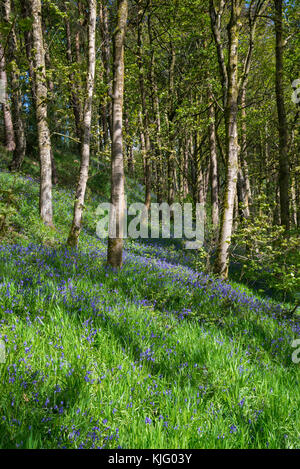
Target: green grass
92,355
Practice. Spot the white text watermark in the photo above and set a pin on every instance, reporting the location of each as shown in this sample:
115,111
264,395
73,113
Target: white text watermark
160,221
2,352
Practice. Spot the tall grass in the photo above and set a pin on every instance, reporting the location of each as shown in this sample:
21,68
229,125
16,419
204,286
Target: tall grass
156,356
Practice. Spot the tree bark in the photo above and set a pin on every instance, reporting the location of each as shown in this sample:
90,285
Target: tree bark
255,9
86,130
284,176
115,242
20,140
129,147
294,201
171,130
28,39
214,162
216,19
7,117
25,8
243,187
186,167
106,58
232,146
145,117
75,102
41,115
157,119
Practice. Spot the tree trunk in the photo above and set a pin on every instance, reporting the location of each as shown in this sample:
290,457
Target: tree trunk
244,191
41,115
106,57
215,18
74,101
20,140
28,40
51,109
129,148
170,117
186,167
199,186
284,177
86,130
254,10
145,118
157,119
276,212
7,117
297,194
294,201
214,163
130,160
115,241
20,150
232,147
143,145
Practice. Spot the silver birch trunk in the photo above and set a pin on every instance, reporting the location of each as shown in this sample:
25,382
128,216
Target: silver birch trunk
41,114
86,130
232,146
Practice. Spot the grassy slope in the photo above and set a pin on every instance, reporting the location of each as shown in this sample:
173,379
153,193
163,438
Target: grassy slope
158,356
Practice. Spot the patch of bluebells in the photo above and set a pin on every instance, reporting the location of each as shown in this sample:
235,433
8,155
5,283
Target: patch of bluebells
55,275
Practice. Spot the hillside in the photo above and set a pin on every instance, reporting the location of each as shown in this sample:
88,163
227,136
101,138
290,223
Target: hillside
157,356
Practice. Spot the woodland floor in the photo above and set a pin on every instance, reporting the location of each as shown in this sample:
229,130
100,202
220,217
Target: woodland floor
157,356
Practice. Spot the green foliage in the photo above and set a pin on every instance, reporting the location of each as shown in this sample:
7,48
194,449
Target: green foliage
201,262
205,362
8,208
92,354
269,258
